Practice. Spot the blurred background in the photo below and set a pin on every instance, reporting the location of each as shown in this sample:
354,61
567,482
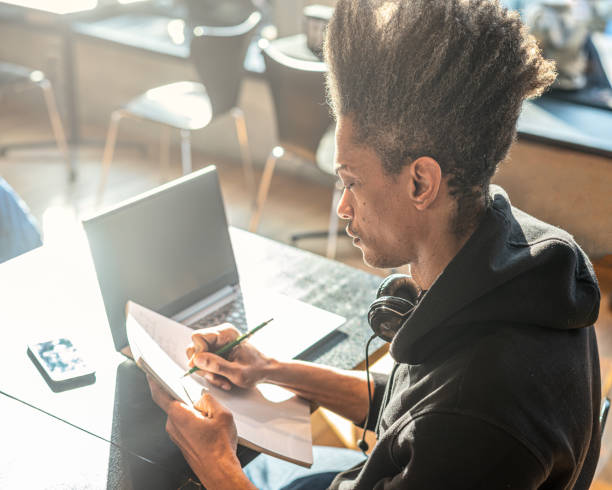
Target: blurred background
100,55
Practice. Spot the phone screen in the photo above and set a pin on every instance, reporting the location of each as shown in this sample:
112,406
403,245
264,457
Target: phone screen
60,356
60,361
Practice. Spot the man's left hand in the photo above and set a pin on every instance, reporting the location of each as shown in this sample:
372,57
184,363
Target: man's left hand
205,434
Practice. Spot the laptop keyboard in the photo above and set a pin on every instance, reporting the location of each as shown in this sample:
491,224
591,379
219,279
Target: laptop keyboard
233,313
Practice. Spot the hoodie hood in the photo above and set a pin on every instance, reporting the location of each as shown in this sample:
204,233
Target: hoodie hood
513,269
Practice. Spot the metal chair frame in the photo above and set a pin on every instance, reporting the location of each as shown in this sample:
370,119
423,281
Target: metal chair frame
219,108
301,126
38,78
186,163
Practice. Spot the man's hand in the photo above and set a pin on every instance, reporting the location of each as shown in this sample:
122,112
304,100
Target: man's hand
205,434
244,367
344,392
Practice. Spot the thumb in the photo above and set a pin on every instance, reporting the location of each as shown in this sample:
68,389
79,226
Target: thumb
209,406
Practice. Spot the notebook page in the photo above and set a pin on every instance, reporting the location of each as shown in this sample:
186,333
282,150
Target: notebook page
159,364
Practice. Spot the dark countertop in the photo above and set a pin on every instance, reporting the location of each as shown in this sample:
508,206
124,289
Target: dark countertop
567,124
156,32
140,30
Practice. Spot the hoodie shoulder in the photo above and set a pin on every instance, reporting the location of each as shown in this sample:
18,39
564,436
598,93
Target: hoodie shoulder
550,253
525,230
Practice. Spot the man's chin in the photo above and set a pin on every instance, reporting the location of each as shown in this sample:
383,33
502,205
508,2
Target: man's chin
364,252
375,260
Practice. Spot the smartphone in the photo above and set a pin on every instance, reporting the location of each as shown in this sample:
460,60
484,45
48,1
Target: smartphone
61,364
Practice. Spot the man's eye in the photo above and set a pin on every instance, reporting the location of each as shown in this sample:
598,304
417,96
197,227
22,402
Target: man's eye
340,185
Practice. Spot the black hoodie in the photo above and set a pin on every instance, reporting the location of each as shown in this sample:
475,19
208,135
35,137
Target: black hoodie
496,382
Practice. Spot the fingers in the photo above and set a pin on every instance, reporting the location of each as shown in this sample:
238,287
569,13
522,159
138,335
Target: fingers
180,419
211,339
207,407
159,395
207,428
218,381
214,364
181,414
211,408
199,343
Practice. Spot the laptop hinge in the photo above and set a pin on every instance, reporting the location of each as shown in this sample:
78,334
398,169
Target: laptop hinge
211,302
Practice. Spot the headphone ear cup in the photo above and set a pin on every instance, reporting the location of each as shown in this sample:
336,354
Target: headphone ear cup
397,296
387,314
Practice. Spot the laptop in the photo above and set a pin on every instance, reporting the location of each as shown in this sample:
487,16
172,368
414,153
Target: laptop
169,250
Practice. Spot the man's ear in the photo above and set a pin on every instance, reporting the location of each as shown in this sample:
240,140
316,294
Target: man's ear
425,178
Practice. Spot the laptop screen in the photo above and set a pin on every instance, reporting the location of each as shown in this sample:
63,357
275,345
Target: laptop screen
165,249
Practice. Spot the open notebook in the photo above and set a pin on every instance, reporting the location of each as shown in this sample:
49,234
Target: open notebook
268,418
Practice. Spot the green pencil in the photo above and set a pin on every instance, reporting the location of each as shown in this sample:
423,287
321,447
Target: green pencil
228,347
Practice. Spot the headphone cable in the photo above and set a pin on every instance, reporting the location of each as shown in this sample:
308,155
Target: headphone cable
361,443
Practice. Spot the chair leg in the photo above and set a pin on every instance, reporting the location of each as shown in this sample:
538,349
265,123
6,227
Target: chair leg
247,163
109,150
58,128
164,153
332,236
186,151
264,187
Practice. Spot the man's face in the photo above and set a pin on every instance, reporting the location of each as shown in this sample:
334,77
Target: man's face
381,220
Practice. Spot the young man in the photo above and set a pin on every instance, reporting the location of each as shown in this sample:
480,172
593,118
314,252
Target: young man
496,382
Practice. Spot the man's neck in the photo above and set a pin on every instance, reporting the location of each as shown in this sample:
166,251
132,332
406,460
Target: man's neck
435,254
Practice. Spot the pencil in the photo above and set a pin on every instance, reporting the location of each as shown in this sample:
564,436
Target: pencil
228,347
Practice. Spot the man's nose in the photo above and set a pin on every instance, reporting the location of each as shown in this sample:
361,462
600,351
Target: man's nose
344,209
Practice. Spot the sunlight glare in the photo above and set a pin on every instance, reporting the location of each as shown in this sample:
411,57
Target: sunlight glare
57,6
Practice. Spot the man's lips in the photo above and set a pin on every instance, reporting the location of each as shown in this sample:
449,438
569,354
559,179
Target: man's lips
351,233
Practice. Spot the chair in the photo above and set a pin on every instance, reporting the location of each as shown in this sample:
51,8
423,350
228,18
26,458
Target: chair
218,53
17,76
304,127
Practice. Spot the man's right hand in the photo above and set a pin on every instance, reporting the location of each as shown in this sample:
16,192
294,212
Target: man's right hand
344,392
245,365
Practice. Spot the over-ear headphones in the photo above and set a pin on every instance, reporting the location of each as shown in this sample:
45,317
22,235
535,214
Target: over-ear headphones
396,298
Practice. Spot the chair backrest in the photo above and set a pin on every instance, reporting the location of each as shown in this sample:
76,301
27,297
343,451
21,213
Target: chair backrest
298,91
218,51
222,13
